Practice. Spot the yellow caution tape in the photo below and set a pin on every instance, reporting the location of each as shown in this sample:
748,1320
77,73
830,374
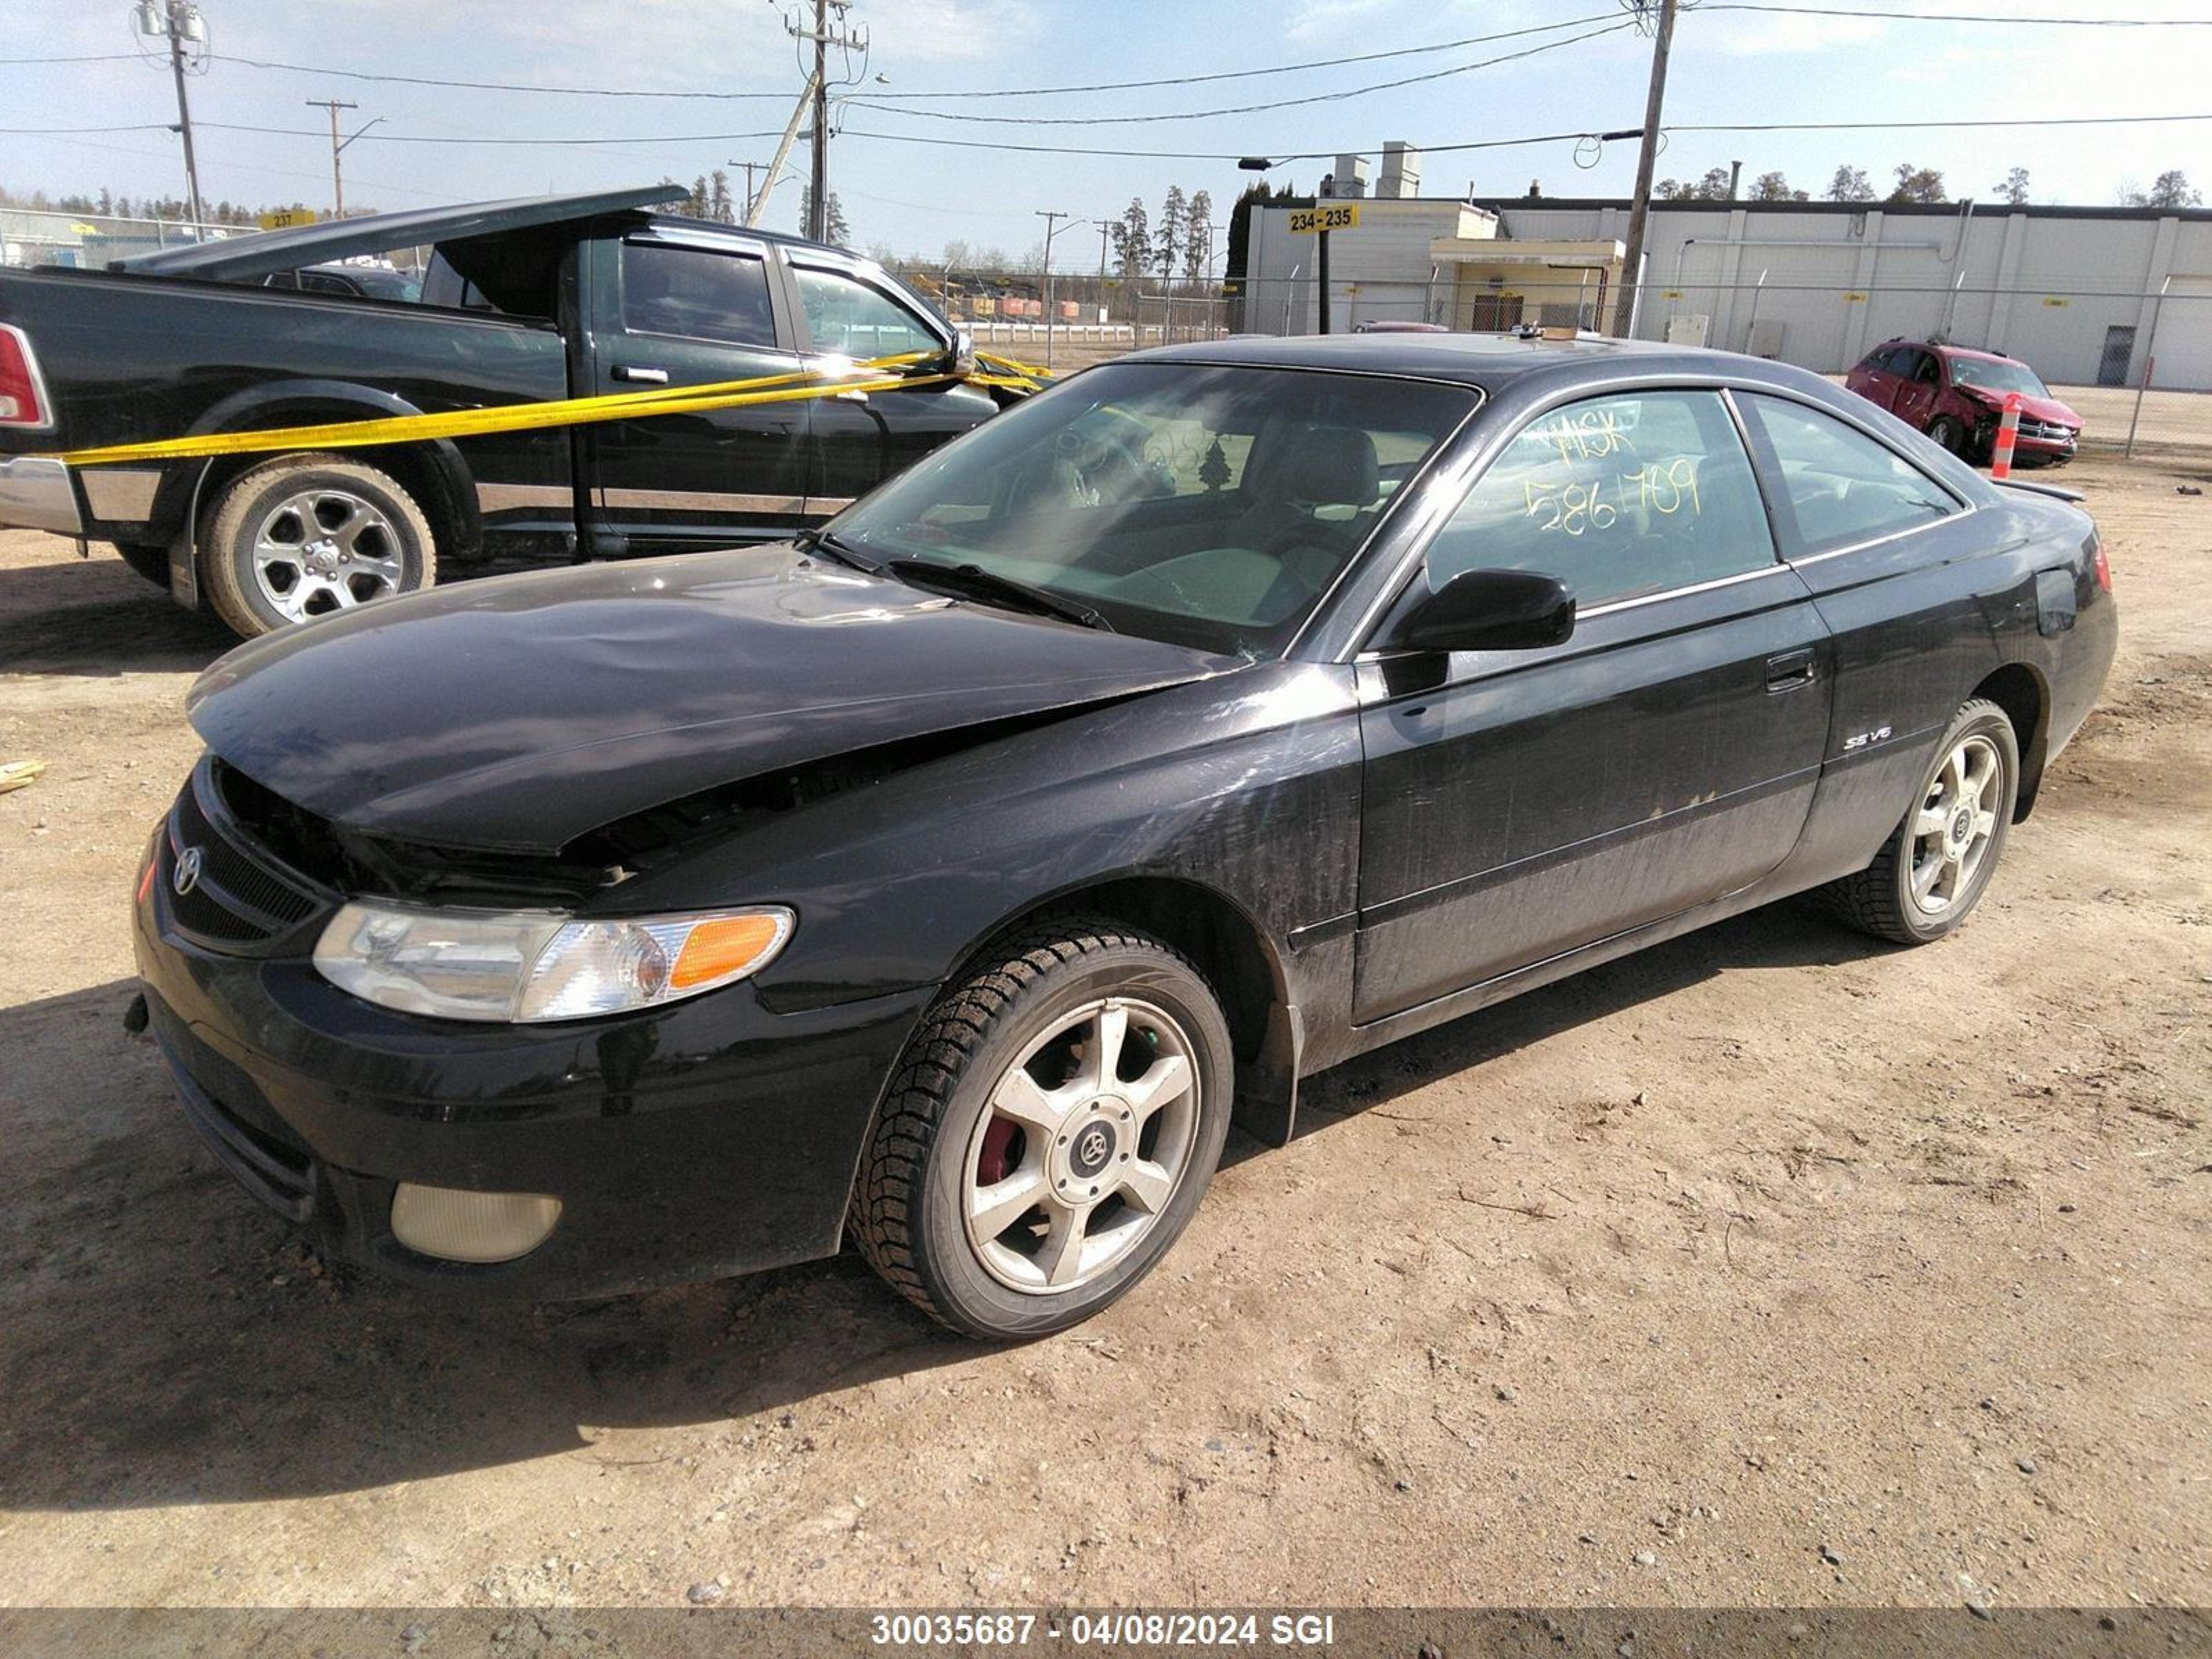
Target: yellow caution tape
794,388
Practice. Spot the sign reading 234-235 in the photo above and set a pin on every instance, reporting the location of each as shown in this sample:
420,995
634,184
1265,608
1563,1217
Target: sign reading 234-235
1305,221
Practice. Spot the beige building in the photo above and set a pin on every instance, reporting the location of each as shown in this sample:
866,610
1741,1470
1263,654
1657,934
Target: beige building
1422,260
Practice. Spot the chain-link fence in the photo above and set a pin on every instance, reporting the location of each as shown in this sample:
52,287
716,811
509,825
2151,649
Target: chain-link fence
33,236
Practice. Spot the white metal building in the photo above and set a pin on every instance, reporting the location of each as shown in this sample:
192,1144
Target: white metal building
2073,291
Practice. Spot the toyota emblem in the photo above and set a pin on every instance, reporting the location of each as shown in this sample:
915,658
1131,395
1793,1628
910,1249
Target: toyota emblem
1094,1147
187,875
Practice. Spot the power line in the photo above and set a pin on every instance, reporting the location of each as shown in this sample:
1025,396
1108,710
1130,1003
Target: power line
492,86
1270,69
1884,126
1239,109
1979,20
1162,154
974,92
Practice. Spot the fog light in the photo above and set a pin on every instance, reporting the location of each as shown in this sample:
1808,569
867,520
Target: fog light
462,1226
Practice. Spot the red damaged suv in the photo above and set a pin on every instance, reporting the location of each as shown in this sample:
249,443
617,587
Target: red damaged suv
1955,396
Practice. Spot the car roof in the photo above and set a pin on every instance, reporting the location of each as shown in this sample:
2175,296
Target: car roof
1489,362
1942,350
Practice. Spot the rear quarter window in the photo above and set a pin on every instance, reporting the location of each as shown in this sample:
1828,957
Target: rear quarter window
1837,486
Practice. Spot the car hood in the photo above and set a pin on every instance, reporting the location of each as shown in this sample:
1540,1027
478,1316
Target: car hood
518,713
2030,409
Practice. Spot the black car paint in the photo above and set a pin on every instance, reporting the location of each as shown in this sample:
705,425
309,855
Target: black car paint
1277,818
173,345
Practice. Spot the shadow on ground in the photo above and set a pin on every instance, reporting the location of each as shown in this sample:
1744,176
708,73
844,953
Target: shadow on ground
168,1343
94,616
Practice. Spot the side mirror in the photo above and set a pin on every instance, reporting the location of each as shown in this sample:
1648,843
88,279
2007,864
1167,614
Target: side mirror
963,358
1487,610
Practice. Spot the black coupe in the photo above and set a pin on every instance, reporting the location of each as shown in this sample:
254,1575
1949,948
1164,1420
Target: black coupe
946,879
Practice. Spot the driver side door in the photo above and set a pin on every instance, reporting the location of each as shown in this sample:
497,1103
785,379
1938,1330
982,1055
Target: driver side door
857,439
1520,804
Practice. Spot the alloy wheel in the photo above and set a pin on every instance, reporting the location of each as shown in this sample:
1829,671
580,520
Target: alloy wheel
321,551
1084,1143
1956,823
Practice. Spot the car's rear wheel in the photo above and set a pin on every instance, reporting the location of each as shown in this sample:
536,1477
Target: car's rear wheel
1938,862
308,536
1949,433
1051,1131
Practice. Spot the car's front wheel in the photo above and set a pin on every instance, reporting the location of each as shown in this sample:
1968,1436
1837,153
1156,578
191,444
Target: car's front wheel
1052,1129
1938,862
1949,433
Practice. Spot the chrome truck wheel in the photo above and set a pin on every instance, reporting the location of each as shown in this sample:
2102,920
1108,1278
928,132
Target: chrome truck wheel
304,537
321,551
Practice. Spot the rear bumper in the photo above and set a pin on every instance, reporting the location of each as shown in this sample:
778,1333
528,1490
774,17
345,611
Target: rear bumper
36,494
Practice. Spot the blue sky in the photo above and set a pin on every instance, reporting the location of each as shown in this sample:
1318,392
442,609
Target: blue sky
1728,67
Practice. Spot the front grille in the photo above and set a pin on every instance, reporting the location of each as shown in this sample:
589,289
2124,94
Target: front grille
2045,430
240,897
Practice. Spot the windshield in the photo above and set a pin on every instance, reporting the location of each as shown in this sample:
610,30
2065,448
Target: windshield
1208,506
1993,375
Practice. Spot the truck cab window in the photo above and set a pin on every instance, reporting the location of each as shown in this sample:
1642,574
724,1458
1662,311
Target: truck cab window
848,318
1617,497
697,293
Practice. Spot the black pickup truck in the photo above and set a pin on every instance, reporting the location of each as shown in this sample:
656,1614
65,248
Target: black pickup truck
522,302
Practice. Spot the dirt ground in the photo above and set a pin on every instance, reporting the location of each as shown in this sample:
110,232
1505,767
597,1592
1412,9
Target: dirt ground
1770,1267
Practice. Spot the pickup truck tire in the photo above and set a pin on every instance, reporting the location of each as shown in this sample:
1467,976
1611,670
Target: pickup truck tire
1012,1186
148,560
305,536
1938,862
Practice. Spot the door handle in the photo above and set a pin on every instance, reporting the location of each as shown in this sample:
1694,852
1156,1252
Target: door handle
1789,670
650,376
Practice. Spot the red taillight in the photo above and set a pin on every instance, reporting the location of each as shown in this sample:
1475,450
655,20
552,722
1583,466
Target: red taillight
2100,565
22,398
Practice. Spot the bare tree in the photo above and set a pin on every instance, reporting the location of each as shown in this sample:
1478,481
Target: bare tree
1850,185
2170,190
2013,189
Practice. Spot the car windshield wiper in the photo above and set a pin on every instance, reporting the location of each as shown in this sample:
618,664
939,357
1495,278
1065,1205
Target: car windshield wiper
972,581
820,540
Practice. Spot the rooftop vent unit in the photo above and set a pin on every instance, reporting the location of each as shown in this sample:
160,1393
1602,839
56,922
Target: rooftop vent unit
1401,172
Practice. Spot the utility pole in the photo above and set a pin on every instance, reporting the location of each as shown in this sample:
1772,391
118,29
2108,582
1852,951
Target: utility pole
1639,210
1104,308
1051,224
824,36
179,20
750,167
338,176
758,205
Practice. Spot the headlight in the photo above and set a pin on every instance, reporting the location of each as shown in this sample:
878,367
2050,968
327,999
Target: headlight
535,965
